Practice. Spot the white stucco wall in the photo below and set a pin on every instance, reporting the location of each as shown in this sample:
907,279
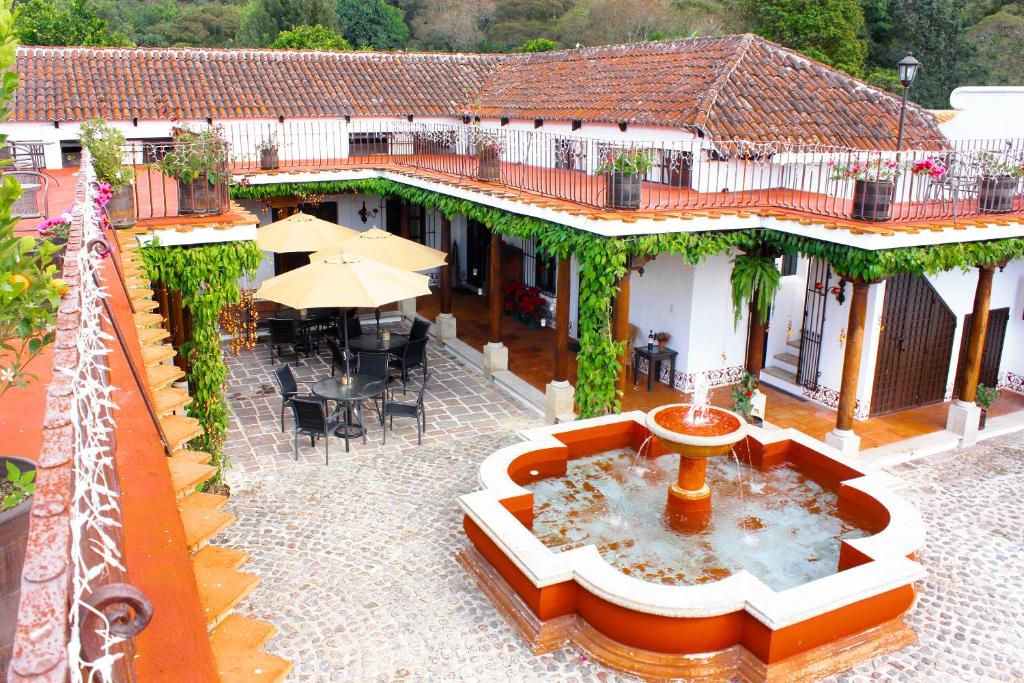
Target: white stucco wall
986,112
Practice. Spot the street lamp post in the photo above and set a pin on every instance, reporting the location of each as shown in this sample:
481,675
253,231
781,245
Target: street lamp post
907,68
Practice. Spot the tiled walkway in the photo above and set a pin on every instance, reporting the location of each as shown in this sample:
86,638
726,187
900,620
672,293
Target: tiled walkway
359,575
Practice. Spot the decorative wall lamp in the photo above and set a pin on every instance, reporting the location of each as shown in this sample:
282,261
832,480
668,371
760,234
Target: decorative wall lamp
840,292
365,214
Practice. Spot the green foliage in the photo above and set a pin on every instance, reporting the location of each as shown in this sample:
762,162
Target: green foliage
627,161
262,20
986,396
106,144
207,277
538,45
311,38
53,22
997,37
372,24
743,394
22,485
754,277
826,30
200,153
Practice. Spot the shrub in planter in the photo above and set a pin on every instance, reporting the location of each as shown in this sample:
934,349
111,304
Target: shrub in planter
998,179
743,396
268,153
873,186
624,172
106,146
986,398
525,303
198,160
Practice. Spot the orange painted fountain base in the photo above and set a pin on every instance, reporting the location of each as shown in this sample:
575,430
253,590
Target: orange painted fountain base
689,499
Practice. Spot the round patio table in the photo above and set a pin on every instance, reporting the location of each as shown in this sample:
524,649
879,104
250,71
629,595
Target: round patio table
373,342
307,315
361,388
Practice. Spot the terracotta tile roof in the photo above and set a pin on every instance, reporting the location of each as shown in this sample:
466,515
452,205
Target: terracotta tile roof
739,87
943,115
73,84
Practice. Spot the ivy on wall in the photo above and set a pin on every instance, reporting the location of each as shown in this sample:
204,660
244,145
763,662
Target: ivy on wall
207,277
603,260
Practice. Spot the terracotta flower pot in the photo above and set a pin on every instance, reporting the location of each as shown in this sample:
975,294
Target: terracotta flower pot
996,193
14,525
872,200
982,418
268,159
488,166
121,207
622,190
202,198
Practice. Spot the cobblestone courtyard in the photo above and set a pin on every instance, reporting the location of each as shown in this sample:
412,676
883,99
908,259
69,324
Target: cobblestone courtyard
357,565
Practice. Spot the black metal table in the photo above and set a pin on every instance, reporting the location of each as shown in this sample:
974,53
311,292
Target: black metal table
654,358
373,342
351,395
307,315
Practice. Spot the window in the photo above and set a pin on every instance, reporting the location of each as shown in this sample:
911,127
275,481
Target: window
674,167
569,153
393,220
70,153
366,144
153,149
539,269
789,263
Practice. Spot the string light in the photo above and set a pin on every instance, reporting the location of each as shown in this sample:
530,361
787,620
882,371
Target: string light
239,320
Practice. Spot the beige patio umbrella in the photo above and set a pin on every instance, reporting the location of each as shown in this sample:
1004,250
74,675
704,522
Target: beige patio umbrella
384,247
302,232
343,280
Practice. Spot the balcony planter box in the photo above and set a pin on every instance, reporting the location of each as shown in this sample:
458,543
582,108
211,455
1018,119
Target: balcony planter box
202,198
996,193
268,159
488,166
872,199
14,525
121,207
622,190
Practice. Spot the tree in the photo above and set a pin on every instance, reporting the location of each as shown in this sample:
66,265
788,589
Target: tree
46,22
826,30
537,45
311,38
262,20
999,39
604,22
517,21
441,25
372,24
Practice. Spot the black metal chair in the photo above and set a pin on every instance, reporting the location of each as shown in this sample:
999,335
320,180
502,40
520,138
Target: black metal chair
376,364
419,330
337,355
312,420
284,332
415,410
288,387
414,355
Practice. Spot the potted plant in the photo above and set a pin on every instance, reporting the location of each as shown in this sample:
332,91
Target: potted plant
198,160
662,339
268,153
873,186
55,230
624,171
17,484
997,182
744,395
489,146
986,398
106,146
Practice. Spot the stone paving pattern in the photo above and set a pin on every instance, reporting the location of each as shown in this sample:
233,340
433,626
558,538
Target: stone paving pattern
358,574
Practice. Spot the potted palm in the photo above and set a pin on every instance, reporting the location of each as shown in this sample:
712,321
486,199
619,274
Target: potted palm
997,182
198,159
624,171
489,147
268,153
986,398
874,182
106,146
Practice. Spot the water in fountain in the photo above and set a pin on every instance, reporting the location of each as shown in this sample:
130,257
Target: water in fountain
700,401
636,467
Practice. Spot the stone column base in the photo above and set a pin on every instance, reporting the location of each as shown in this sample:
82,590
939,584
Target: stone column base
407,307
844,440
444,327
495,358
559,400
963,421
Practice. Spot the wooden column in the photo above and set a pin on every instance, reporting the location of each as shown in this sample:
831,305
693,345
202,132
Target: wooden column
620,327
494,288
976,335
446,269
851,361
404,218
755,338
563,286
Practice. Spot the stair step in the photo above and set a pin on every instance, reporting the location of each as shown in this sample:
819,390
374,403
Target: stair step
137,293
179,430
192,456
201,524
789,358
220,589
161,376
187,475
794,343
219,556
198,500
239,663
156,354
143,305
152,335
144,320
169,399
779,373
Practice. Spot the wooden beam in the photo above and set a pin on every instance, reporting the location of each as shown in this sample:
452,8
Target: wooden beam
494,288
563,286
620,328
976,335
851,361
755,338
446,269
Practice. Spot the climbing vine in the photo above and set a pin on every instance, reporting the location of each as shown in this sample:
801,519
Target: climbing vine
207,277
603,260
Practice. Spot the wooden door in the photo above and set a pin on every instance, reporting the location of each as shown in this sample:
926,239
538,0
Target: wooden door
998,319
478,241
915,346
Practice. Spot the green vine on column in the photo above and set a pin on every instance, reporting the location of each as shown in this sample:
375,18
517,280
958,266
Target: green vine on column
208,278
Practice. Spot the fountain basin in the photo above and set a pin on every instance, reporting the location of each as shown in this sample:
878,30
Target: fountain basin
734,626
